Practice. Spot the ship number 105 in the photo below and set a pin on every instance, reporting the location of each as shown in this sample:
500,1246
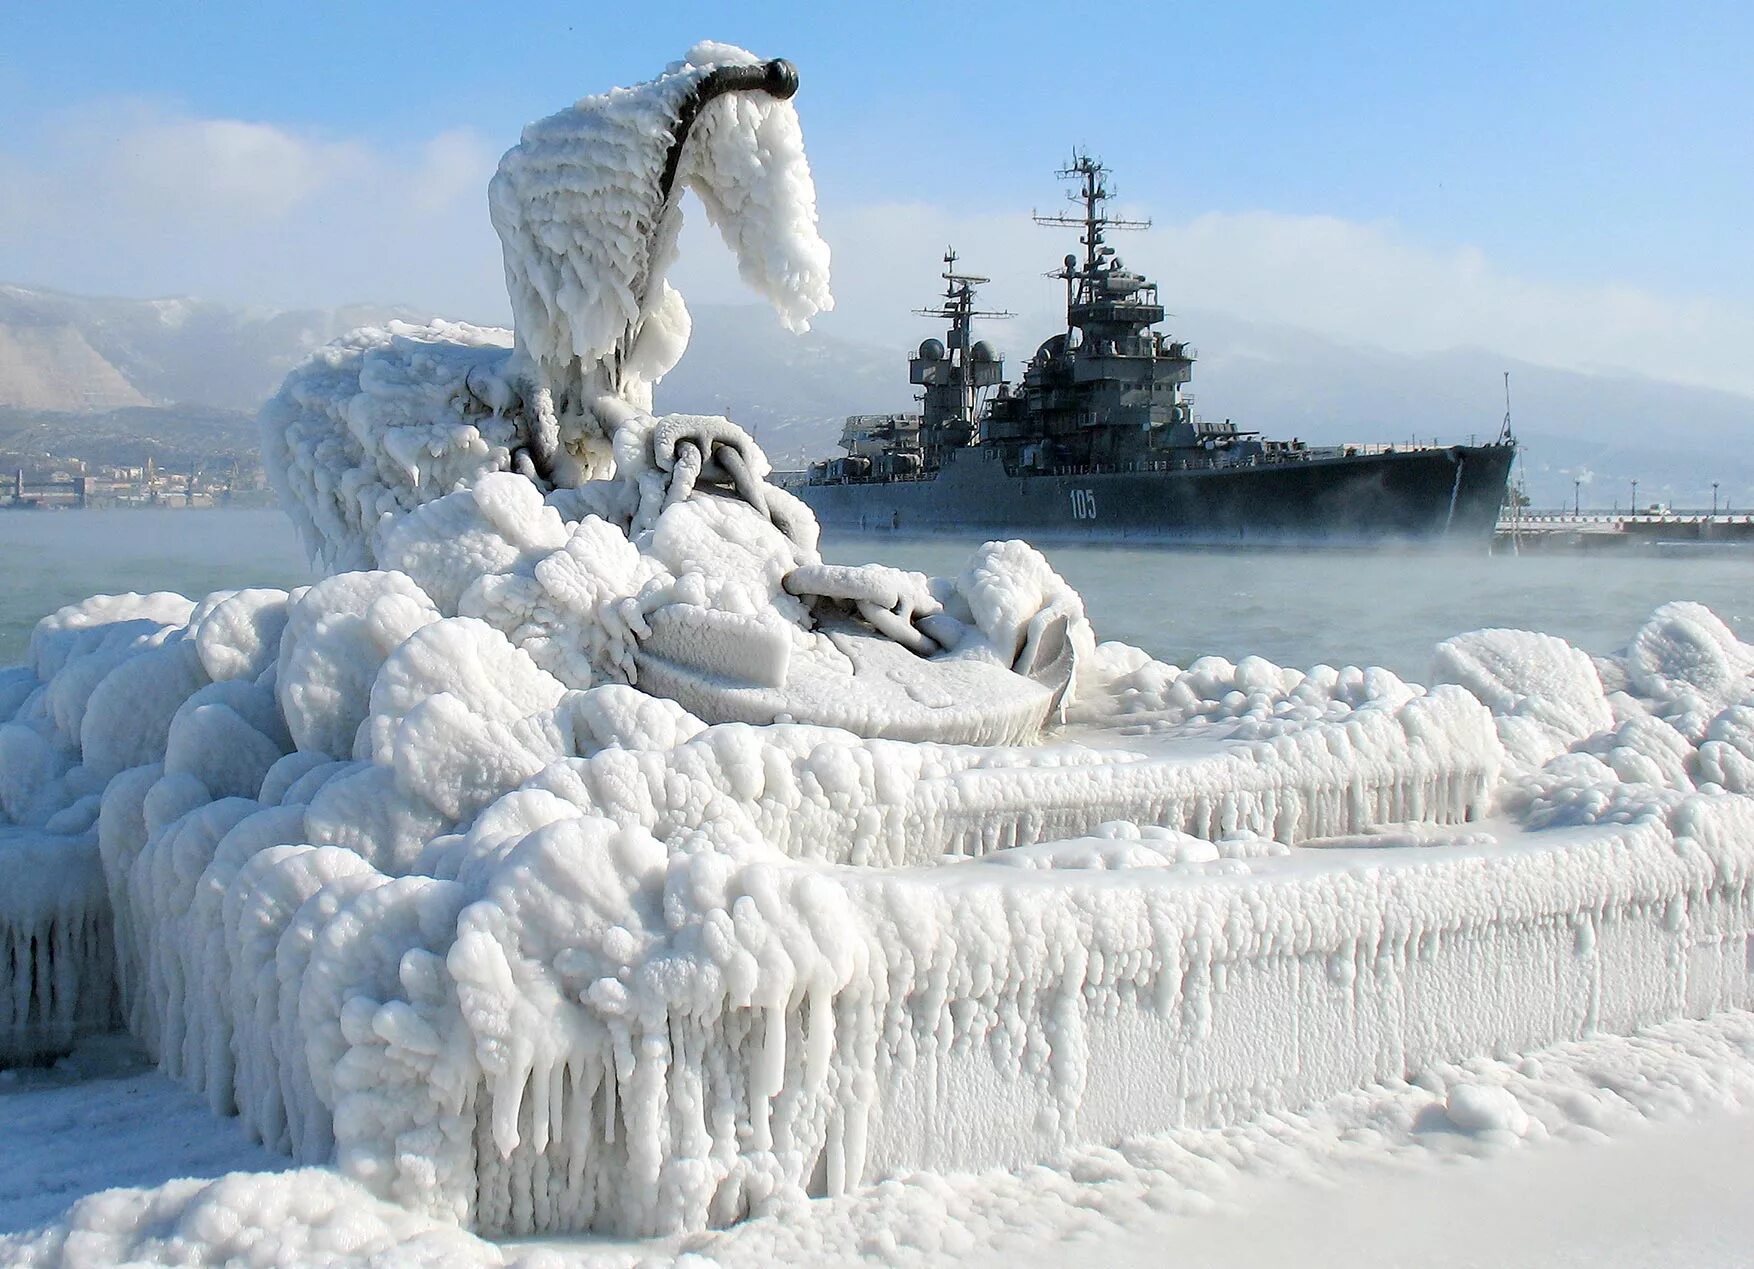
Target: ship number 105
1084,504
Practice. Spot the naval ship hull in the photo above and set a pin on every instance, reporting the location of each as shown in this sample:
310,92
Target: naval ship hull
1452,494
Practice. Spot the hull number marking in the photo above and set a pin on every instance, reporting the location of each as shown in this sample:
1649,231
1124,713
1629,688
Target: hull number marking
1084,504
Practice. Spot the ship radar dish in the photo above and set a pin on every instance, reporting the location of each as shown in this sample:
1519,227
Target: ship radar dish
931,350
983,351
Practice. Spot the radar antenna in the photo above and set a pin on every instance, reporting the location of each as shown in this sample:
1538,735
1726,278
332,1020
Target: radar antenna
1093,191
959,293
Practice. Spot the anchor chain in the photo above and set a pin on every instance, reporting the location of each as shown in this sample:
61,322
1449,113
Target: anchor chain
702,451
896,604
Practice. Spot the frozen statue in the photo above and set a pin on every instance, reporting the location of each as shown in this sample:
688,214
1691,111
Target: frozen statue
582,852
642,550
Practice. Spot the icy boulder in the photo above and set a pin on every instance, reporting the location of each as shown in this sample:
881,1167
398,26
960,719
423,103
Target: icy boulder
1546,694
1690,666
383,420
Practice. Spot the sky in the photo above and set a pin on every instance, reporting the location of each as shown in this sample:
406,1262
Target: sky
1566,183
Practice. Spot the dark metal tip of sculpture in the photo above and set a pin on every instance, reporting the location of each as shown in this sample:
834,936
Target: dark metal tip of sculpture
777,78
782,79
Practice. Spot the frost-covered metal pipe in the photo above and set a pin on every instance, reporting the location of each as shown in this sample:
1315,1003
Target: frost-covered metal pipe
777,78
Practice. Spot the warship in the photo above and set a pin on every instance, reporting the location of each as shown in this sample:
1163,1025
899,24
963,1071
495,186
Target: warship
1099,440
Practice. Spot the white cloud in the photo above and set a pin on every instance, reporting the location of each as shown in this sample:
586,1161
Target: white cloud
129,197
221,168
1356,283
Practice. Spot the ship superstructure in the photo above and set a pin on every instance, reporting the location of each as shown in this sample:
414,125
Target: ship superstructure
1100,411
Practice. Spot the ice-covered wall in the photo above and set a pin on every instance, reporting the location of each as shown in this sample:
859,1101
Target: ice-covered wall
535,957
57,981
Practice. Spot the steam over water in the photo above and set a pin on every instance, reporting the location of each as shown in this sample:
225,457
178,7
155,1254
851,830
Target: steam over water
1292,607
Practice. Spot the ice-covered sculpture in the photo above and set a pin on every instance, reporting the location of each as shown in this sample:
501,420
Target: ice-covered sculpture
582,852
650,551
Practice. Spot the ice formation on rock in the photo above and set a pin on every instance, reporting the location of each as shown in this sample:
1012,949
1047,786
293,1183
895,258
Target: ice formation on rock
582,852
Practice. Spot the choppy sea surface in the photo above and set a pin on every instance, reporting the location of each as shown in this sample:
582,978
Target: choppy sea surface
1293,607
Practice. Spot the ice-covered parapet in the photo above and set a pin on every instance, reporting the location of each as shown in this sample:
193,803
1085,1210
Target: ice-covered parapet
57,977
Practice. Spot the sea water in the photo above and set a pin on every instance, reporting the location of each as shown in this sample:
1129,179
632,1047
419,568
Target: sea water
1293,607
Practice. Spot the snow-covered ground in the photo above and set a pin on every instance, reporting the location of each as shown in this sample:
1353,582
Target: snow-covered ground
106,1117
1612,1153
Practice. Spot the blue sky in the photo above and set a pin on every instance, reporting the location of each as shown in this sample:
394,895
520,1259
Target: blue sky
1582,150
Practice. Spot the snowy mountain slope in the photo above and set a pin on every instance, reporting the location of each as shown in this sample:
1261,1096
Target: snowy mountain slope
70,355
52,366
1608,429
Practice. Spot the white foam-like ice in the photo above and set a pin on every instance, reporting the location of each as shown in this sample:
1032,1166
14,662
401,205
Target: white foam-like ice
525,938
589,233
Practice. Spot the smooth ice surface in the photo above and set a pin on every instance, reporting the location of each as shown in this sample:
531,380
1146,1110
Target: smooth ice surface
582,852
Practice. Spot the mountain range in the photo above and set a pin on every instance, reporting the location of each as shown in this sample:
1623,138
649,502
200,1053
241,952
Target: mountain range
81,376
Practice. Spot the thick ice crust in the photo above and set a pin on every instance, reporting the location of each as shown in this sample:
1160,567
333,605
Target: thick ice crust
589,231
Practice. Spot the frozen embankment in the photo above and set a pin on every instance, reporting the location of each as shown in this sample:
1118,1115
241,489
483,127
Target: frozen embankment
541,958
583,852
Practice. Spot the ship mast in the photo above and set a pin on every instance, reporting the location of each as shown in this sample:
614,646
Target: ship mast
954,373
1092,192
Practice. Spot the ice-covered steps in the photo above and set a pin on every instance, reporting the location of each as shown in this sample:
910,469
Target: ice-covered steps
822,794
1436,759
